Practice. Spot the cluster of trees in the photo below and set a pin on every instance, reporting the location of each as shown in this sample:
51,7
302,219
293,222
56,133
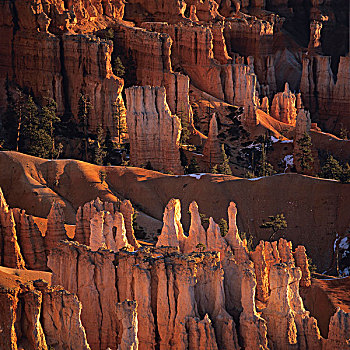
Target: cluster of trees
332,169
99,147
30,128
259,165
33,129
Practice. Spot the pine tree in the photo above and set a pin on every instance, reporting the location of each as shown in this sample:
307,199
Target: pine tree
304,155
100,152
223,227
18,108
84,110
332,169
118,67
119,119
224,167
275,223
48,119
193,167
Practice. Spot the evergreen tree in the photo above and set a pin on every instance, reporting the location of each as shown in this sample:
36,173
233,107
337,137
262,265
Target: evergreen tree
223,227
264,168
185,132
34,132
304,156
332,169
345,174
18,107
259,164
119,119
192,167
214,169
48,119
224,167
275,223
344,133
109,147
118,67
84,110
100,152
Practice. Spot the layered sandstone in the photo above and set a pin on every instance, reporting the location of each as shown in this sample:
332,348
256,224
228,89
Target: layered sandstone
108,231
92,277
127,211
201,53
145,276
102,224
172,232
84,215
150,52
154,133
127,325
164,10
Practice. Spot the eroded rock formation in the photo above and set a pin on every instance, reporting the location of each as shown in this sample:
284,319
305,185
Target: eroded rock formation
55,227
283,106
194,299
37,316
41,53
212,150
154,133
31,241
106,225
10,252
321,94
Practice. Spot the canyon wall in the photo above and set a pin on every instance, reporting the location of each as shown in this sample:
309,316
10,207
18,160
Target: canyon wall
42,54
326,98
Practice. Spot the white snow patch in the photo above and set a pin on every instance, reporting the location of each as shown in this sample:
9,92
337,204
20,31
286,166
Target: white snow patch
288,160
197,176
346,272
258,146
274,140
256,178
344,243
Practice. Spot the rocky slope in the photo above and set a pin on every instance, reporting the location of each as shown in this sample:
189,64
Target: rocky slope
309,204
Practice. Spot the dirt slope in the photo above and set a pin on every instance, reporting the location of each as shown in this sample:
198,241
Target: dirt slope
315,209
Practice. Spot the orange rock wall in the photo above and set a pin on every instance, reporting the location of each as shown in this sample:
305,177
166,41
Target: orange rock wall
59,66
